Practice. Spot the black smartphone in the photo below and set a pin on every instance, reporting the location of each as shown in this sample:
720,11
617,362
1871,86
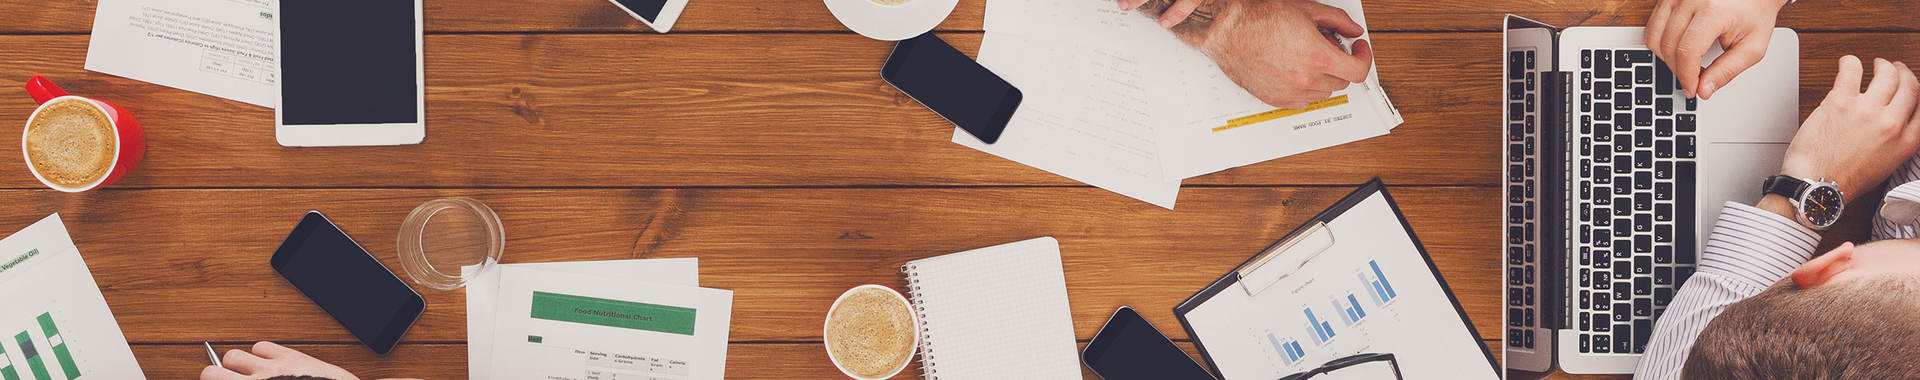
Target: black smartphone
348,283
1129,348
952,85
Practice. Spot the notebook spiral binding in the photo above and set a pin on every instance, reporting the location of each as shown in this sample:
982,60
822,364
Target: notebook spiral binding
928,368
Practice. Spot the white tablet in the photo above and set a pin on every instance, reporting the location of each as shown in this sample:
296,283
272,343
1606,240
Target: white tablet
350,73
658,14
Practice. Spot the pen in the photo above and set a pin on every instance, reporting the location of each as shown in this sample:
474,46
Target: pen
212,356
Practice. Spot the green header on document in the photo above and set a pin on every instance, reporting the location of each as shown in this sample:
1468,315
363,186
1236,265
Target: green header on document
16,261
611,313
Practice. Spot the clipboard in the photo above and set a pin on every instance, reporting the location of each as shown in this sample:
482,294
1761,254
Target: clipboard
1283,258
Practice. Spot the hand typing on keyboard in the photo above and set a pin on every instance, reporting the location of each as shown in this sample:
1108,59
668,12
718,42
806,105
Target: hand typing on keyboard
1681,31
1855,138
1273,48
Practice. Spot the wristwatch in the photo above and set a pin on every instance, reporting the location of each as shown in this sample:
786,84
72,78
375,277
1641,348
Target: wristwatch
1817,202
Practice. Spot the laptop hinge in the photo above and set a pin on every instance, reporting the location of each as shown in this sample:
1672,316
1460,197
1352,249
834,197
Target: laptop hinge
1556,94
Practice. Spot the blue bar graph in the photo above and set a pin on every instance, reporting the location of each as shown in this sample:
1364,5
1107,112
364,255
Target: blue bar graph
1383,279
1350,312
1377,285
1321,330
1289,350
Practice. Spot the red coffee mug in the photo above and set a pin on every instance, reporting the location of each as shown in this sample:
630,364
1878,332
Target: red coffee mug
130,141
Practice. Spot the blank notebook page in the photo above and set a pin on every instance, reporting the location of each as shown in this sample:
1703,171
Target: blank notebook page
995,313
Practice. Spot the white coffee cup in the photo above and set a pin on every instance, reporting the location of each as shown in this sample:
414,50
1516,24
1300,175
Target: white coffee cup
829,321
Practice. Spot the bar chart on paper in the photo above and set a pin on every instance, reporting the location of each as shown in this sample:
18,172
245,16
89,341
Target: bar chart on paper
1376,283
36,349
1334,318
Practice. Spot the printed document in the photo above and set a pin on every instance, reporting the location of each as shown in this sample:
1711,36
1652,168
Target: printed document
54,324
1116,101
567,326
1082,119
483,296
224,48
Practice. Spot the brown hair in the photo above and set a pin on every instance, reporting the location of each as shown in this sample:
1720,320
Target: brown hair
1867,329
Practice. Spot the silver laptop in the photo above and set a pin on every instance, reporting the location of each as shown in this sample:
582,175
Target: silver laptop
1613,179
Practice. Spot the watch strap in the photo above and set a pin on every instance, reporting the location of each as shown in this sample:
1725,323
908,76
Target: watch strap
1786,186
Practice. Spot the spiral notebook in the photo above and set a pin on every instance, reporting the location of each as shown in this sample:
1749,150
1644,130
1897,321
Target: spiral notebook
998,312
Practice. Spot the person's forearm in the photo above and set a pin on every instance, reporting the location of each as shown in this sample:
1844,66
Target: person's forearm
1194,29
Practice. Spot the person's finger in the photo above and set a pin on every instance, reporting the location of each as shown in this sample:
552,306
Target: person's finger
1330,17
271,350
1656,24
1913,121
1130,5
1905,93
242,362
1353,68
1847,82
1329,83
1740,55
1880,90
1692,48
1906,100
1669,45
214,372
1178,13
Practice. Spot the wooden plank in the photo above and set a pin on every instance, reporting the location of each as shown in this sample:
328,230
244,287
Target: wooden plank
449,361
809,110
506,111
169,261
750,15
807,360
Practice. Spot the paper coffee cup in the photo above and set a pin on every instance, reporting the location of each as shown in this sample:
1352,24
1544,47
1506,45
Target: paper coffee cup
829,338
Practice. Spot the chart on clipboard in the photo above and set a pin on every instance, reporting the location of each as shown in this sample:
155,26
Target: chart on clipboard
1353,281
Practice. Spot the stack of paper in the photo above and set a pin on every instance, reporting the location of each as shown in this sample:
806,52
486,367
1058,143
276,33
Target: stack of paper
597,320
1116,101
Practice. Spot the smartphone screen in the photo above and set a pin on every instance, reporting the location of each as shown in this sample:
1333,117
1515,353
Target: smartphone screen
952,85
349,62
646,9
1129,348
347,282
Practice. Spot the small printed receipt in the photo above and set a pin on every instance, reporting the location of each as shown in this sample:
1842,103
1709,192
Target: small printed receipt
224,48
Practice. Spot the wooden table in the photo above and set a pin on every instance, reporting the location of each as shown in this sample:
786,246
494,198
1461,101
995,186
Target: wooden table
758,137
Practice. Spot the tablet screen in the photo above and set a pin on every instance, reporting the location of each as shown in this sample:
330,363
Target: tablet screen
348,62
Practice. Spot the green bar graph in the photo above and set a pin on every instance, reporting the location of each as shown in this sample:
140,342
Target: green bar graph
59,343
6,370
39,367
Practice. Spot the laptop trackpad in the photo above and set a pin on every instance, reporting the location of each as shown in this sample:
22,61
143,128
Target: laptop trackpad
1732,172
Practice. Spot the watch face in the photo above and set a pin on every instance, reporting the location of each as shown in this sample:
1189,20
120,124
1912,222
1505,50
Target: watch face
1822,206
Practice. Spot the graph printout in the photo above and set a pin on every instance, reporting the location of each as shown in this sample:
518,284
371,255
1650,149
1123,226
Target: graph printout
54,324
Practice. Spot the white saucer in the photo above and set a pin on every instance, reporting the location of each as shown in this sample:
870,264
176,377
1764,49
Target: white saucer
891,22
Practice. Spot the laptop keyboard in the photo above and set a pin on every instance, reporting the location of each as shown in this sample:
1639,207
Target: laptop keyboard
1522,140
1633,197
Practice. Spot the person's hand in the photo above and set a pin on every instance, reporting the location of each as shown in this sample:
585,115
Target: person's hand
268,360
1174,14
1681,32
1274,49
1854,138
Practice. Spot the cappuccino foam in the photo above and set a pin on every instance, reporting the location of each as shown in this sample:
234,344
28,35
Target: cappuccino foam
871,333
71,143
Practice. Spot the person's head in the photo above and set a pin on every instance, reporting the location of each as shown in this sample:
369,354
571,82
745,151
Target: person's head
1852,313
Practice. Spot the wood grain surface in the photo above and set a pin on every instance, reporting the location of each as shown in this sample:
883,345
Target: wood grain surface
757,137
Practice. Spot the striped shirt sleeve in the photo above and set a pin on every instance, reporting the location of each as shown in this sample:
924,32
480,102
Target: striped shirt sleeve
1749,250
1901,211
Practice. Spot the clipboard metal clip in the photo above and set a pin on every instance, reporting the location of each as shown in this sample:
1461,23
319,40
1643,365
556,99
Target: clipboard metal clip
1284,259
